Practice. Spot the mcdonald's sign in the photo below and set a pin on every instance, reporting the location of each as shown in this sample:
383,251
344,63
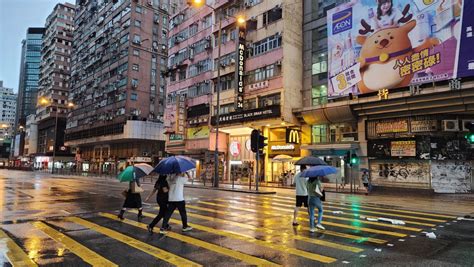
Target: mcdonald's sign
293,136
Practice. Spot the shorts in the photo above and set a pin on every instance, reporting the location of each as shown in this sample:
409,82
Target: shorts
301,200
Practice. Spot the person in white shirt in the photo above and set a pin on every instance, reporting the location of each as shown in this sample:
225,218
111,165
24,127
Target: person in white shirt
176,200
301,194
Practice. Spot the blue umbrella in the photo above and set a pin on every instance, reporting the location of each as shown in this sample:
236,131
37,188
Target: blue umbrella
175,164
320,170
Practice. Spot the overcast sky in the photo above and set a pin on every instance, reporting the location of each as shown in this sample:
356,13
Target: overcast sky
15,17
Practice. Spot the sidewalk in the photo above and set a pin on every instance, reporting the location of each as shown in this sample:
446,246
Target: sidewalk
455,204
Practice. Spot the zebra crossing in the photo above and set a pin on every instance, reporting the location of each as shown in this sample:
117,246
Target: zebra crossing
233,230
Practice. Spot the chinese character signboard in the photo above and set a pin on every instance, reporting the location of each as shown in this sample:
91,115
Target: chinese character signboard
403,148
239,70
180,114
375,45
198,132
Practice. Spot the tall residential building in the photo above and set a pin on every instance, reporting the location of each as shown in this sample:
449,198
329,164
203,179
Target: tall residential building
269,55
409,136
28,84
54,81
117,83
7,111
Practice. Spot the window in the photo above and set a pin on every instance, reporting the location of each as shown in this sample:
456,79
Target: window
136,39
269,100
193,29
263,73
250,103
135,67
225,109
138,9
207,22
138,23
134,83
182,74
266,45
320,64
133,96
319,133
319,95
227,82
173,76
136,52
272,15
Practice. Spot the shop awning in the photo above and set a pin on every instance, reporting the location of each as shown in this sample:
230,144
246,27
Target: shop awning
327,114
330,149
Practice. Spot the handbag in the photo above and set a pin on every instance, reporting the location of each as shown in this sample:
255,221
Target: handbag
136,188
317,190
323,198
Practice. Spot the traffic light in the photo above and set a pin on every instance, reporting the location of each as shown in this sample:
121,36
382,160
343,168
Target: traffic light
257,141
354,159
254,139
261,142
470,137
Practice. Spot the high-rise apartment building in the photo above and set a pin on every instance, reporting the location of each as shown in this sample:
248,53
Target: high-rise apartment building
28,84
268,60
54,80
7,111
117,82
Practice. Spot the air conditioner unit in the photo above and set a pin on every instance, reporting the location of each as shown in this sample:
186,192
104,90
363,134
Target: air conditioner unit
450,125
150,3
278,63
232,61
467,124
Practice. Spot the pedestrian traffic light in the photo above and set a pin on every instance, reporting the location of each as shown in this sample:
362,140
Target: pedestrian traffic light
470,137
254,139
354,159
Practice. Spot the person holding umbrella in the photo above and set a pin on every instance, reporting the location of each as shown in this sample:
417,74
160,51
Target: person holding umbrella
161,189
176,167
301,193
133,199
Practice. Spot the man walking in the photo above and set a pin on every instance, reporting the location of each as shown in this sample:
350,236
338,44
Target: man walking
301,193
176,200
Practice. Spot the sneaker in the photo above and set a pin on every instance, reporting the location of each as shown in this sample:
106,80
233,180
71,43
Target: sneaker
150,229
163,231
187,229
312,230
295,224
320,227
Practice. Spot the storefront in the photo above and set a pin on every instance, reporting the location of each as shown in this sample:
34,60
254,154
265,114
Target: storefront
420,152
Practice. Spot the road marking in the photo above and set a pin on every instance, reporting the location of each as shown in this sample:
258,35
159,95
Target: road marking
83,252
251,239
377,212
196,242
272,232
369,230
288,208
359,239
149,249
378,208
14,254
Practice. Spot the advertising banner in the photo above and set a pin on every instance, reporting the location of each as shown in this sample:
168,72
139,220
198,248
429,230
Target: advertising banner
403,148
385,44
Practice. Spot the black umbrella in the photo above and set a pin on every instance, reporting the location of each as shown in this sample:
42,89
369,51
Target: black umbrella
311,161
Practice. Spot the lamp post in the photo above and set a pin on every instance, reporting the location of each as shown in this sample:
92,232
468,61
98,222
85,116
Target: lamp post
240,20
45,102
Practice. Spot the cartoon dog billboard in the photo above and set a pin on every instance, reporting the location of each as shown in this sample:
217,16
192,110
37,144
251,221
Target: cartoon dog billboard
385,44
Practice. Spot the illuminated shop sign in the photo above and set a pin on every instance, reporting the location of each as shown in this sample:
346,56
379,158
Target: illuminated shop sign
239,71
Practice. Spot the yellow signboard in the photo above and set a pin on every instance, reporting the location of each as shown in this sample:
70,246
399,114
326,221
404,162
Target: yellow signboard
198,132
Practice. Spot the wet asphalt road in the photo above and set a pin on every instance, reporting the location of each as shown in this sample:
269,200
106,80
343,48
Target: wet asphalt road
71,221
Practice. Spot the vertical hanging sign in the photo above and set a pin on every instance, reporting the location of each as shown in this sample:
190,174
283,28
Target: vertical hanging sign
180,113
239,69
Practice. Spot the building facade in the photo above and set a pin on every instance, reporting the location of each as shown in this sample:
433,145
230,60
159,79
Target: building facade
410,137
117,83
28,84
263,99
53,88
7,111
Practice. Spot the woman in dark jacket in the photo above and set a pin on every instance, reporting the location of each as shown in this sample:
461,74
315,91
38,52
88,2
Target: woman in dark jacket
133,199
161,188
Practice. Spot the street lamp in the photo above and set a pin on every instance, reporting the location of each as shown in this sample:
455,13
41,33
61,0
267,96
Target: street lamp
240,20
45,102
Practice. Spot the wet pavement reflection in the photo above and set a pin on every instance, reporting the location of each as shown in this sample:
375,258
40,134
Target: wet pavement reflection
71,221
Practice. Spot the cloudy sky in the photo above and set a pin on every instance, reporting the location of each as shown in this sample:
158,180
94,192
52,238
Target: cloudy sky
15,17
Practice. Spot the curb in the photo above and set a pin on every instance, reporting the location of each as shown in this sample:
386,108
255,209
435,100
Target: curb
233,190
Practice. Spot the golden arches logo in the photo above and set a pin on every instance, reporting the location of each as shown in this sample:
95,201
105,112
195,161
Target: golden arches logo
293,136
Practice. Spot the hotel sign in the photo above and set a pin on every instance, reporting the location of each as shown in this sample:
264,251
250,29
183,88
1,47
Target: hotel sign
239,70
249,115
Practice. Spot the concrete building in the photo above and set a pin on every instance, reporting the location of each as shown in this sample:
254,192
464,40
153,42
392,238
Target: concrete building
271,87
31,138
54,82
410,137
117,83
28,84
7,111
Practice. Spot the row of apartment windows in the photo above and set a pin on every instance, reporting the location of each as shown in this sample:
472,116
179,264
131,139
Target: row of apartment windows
193,29
265,45
263,101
